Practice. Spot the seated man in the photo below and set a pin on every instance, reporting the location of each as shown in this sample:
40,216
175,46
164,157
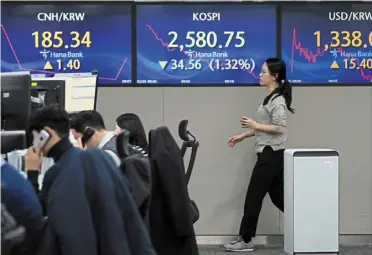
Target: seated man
98,137
137,170
23,204
89,206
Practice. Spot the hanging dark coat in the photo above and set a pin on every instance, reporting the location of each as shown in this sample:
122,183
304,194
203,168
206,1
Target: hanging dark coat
171,227
91,210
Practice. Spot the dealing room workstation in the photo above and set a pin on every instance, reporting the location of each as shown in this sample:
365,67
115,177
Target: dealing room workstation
203,62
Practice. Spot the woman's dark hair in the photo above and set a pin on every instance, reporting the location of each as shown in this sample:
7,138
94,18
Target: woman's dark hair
278,69
133,124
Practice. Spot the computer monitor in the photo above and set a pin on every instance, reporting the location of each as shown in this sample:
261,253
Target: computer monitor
47,92
13,140
80,90
15,101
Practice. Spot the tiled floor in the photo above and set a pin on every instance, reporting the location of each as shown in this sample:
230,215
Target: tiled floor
215,250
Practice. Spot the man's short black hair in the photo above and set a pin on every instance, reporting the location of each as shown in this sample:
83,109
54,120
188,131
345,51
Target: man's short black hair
76,122
81,120
52,116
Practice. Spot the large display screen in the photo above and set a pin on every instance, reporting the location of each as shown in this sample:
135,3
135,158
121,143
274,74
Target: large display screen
68,38
328,43
204,44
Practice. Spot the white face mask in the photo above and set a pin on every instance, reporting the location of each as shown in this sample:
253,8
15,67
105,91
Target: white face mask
72,138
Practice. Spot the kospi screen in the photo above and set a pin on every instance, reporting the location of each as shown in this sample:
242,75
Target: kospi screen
328,43
67,38
204,44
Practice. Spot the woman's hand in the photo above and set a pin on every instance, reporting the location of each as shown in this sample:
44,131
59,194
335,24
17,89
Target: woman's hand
235,139
248,123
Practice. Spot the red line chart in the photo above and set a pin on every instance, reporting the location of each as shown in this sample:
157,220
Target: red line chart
50,72
166,45
312,57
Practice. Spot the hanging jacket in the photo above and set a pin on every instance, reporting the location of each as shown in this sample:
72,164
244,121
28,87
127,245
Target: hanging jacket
171,227
91,210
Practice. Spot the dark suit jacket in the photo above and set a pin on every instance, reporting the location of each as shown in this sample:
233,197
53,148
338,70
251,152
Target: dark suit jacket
171,227
91,210
22,203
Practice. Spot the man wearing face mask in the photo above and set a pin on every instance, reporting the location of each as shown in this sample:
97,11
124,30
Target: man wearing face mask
89,128
50,131
76,198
